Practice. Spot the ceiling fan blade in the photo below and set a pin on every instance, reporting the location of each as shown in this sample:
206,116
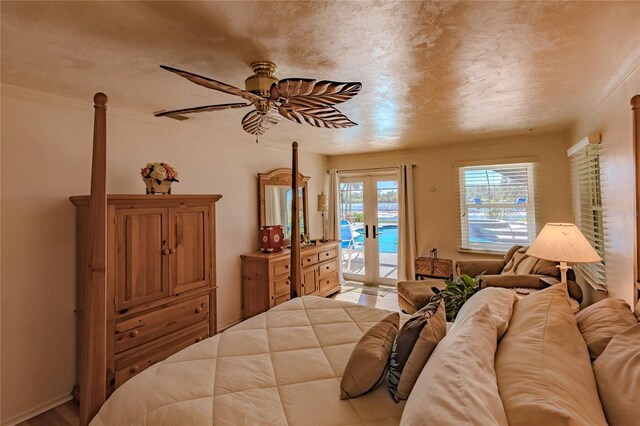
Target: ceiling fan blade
326,116
214,84
313,93
204,108
257,124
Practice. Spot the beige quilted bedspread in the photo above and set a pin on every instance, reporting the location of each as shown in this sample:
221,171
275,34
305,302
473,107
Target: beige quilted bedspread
280,367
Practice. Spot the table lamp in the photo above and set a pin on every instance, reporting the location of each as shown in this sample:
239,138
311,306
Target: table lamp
323,207
563,242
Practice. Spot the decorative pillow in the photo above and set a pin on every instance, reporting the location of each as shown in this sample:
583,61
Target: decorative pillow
368,361
458,384
617,372
543,366
500,302
413,346
603,320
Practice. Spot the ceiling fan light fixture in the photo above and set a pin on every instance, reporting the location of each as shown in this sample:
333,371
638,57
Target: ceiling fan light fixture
263,78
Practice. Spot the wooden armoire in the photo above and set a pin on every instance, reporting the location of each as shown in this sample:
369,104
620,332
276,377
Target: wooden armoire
161,278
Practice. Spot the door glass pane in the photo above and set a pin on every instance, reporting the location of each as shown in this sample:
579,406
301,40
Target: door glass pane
352,227
387,212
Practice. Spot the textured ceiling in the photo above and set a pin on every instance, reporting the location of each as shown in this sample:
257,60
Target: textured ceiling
432,73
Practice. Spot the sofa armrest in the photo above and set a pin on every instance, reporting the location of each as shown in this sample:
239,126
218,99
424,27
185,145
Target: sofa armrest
513,281
575,292
473,268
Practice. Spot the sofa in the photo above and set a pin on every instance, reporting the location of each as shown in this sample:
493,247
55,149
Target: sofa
518,270
515,270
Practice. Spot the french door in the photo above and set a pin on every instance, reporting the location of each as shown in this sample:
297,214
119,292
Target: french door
369,227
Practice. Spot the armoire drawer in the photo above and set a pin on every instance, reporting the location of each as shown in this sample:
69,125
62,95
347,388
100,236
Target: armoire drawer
144,328
135,361
328,281
280,267
281,285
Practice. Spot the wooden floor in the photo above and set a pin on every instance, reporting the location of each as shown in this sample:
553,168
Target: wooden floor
62,415
372,296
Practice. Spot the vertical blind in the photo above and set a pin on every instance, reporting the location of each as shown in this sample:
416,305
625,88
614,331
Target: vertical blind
586,181
497,207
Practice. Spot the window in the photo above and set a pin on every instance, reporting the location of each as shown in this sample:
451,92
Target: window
497,209
587,194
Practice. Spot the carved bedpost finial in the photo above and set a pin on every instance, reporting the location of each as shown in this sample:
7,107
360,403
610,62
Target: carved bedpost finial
295,145
100,100
635,102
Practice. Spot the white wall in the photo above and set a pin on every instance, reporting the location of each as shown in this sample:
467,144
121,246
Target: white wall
436,182
612,118
46,157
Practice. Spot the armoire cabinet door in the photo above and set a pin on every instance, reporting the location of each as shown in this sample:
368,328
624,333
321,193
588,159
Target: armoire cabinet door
141,256
308,281
189,251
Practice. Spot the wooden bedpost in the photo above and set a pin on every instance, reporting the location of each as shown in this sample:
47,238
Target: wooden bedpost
635,107
94,339
295,221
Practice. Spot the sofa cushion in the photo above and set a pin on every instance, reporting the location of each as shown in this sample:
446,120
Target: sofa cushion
500,302
367,363
413,295
617,372
413,346
458,384
543,366
603,320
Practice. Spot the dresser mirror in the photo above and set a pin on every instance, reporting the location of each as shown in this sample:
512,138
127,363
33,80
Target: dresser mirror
274,191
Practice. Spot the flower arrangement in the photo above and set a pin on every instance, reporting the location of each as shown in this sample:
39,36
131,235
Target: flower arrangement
159,172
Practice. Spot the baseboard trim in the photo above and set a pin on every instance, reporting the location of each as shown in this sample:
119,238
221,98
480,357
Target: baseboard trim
52,403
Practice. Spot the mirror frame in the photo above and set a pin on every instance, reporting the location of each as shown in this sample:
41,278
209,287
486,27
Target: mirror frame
282,177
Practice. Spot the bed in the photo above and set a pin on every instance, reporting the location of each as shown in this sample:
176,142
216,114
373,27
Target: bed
280,367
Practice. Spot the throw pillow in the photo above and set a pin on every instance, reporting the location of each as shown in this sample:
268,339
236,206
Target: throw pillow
617,372
458,384
603,320
543,367
368,361
412,348
500,302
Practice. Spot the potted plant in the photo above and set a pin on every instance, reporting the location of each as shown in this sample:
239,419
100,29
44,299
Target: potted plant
158,177
456,293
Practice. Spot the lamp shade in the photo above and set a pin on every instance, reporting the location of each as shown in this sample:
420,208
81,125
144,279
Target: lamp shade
322,203
563,242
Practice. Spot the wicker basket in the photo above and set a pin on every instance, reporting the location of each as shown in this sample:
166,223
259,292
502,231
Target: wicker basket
153,187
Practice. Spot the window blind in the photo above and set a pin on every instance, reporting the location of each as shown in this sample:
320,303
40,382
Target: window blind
586,180
497,207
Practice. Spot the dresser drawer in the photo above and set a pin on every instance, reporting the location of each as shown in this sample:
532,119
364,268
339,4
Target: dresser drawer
280,299
328,282
327,268
280,267
308,259
328,254
144,328
281,286
136,361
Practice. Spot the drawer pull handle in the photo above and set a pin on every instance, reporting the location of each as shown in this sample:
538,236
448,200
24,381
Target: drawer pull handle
327,267
198,309
286,266
165,252
172,251
134,333
198,339
309,259
134,369
326,254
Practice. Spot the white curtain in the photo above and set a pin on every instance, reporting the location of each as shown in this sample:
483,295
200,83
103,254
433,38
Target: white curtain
333,219
406,224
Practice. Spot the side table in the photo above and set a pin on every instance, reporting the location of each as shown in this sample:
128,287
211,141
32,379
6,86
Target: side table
434,268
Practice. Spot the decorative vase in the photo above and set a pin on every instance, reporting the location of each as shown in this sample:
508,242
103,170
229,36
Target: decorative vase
153,187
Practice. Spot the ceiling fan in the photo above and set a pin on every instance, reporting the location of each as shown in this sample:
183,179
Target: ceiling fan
298,99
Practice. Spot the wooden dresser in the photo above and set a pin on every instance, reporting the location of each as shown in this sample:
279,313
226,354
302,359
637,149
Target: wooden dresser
161,278
266,282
